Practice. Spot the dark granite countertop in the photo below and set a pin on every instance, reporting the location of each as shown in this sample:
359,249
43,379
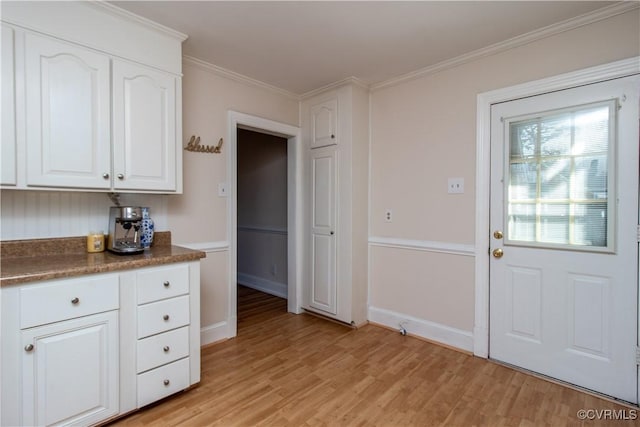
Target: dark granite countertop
44,259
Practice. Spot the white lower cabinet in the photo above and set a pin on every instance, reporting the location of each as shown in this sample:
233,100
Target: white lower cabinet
60,346
70,371
81,351
163,381
166,351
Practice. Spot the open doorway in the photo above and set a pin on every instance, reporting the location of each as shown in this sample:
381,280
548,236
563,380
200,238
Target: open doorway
244,122
261,225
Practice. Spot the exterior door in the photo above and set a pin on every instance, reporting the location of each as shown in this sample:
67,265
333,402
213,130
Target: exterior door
324,163
564,240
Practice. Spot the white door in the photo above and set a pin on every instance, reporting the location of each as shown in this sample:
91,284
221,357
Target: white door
324,169
68,119
144,128
70,371
564,220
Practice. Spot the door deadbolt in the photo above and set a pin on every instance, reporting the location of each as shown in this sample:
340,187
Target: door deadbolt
498,234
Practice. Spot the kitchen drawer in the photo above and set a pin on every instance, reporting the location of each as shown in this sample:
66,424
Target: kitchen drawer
162,349
67,299
164,315
163,381
162,283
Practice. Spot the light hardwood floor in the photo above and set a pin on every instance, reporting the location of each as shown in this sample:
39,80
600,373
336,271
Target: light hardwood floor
299,370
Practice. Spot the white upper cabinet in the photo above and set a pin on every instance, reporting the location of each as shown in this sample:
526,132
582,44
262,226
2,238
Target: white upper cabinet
8,172
324,124
144,128
67,115
82,109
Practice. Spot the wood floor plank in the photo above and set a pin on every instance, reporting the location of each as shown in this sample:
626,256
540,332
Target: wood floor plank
299,370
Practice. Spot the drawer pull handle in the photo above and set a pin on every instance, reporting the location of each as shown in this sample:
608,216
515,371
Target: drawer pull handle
165,317
166,284
28,347
76,300
166,349
166,382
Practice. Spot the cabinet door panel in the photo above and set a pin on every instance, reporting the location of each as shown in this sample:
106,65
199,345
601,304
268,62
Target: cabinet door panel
8,172
324,124
68,120
323,256
72,371
144,123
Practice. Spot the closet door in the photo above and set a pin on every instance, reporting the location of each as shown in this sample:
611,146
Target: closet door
324,169
68,120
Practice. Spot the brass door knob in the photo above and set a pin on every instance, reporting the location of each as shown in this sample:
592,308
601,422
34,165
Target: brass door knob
498,234
497,253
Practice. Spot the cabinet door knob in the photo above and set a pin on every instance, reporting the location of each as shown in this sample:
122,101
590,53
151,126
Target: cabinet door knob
28,347
76,300
165,317
166,382
166,284
333,136
166,349
120,176
105,175
331,233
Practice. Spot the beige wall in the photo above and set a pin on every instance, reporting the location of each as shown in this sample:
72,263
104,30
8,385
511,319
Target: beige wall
199,215
424,131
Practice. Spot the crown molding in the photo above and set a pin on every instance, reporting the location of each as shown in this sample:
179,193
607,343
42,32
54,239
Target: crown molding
349,80
119,12
232,75
560,27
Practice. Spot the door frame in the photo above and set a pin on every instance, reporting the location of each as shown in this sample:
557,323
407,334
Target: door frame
617,69
294,207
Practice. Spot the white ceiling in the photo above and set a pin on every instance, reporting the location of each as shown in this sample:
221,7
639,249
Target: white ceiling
300,46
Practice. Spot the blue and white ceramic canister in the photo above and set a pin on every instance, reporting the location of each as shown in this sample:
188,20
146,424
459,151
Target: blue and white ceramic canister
147,229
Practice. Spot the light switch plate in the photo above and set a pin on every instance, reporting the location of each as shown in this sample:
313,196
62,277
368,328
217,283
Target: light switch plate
455,185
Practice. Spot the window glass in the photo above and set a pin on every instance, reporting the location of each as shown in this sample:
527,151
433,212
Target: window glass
558,187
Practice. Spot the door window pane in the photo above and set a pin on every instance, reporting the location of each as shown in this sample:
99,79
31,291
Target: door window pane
558,186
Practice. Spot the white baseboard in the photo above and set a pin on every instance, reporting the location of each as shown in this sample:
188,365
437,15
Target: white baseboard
212,333
423,328
264,285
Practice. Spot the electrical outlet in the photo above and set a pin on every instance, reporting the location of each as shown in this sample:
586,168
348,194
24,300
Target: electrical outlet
455,185
222,189
388,215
